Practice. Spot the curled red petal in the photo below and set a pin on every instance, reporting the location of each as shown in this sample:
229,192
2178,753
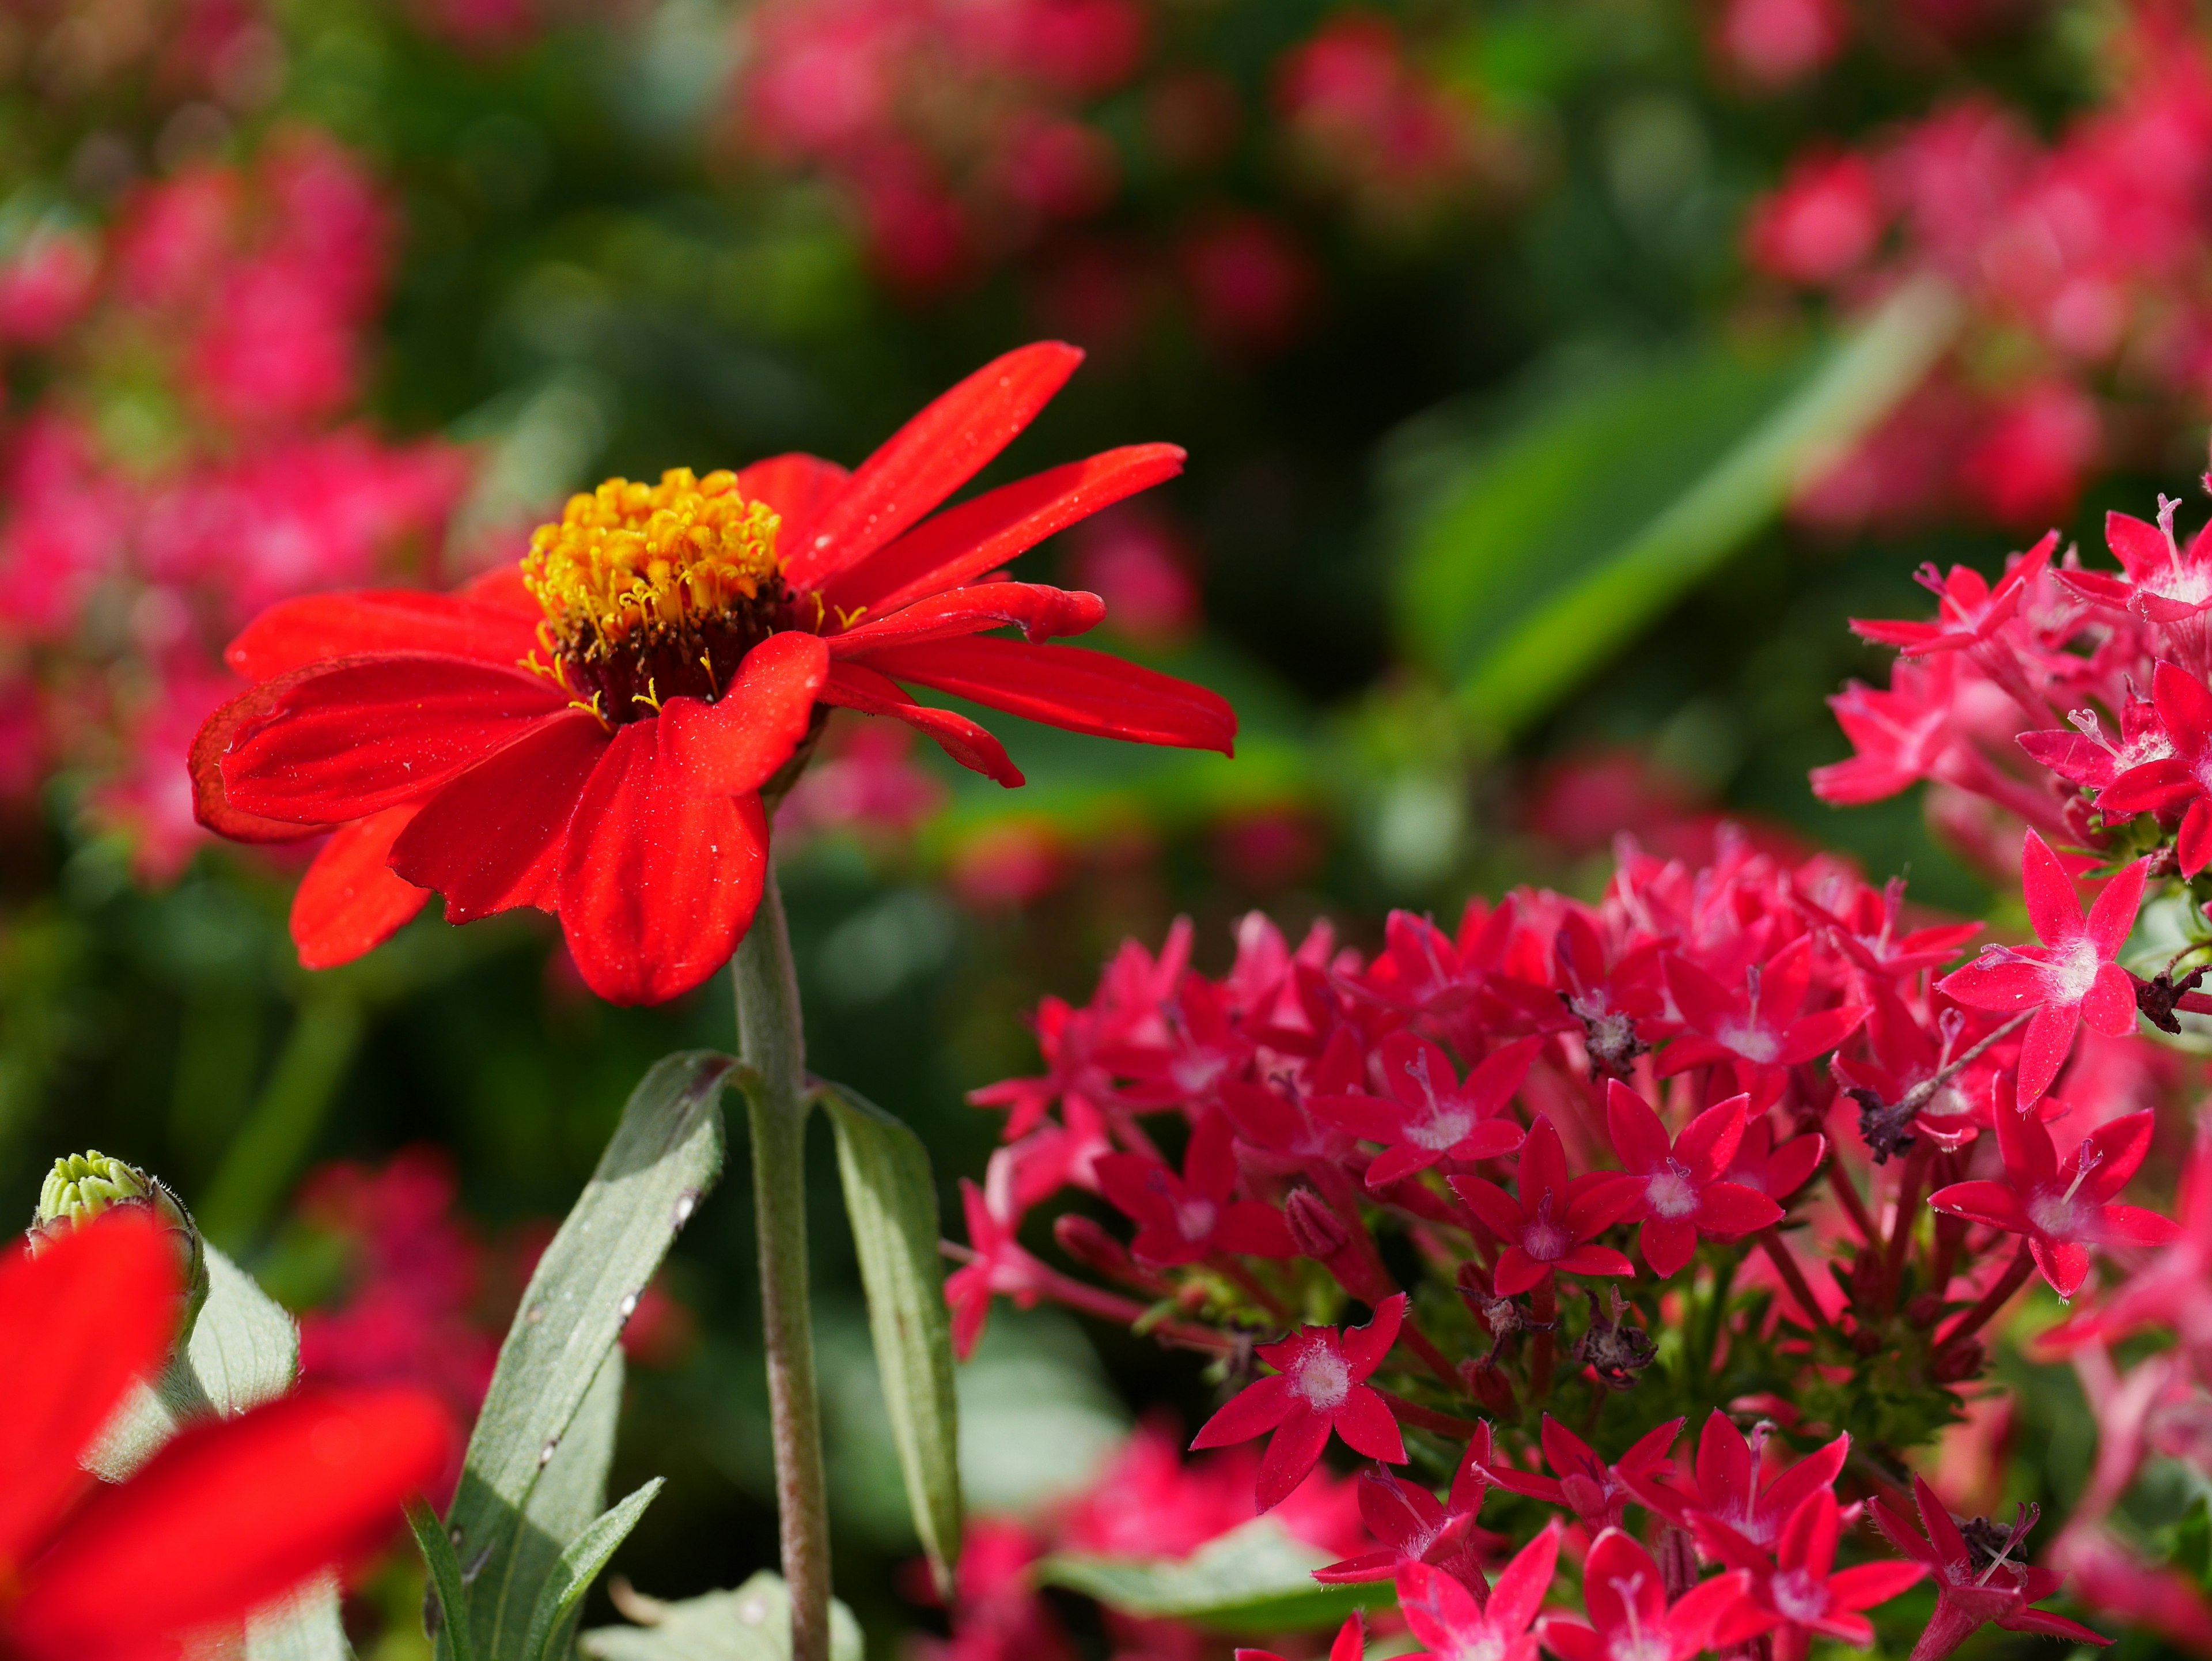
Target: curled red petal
1041,612
1067,686
739,742
856,686
211,803
657,884
350,901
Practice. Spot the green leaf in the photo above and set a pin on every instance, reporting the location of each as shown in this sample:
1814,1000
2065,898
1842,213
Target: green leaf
305,1626
752,1624
579,1565
446,1580
1531,557
244,1350
535,1474
1256,1579
892,1203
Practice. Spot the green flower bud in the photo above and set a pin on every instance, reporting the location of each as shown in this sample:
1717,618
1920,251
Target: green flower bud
83,1186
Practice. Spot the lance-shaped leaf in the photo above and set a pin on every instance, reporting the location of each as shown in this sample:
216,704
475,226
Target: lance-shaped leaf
448,1584
578,1565
1256,1579
752,1624
892,1204
535,1474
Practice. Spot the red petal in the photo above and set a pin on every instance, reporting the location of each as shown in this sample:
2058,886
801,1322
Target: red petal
739,742
1253,1411
2127,1225
350,740
2139,545
1637,1136
1523,1583
491,840
315,627
231,1515
2111,1005
1067,686
963,542
2184,709
503,586
1731,1210
1293,1452
657,884
2044,1049
2064,1264
94,1311
1490,1202
351,902
1989,1203
1039,611
211,804
928,458
2112,918
1708,1143
2192,848
2052,905
1365,1347
856,686
2155,784
800,488
1666,1245
1364,1421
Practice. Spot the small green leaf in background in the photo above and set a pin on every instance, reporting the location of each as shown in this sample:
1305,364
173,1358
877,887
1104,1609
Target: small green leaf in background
1531,557
244,1350
536,1473
752,1624
892,1203
579,1565
446,1580
1256,1579
308,1626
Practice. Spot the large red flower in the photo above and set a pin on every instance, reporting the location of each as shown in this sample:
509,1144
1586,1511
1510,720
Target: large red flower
590,734
226,1518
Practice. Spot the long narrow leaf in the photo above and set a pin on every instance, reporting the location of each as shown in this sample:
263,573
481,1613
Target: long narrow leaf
445,1580
579,1565
892,1203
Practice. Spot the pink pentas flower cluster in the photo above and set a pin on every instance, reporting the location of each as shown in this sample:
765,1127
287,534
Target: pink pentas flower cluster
2080,262
236,303
1748,1146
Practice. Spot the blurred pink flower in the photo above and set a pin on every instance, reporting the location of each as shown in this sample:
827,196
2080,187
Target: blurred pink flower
46,285
1772,43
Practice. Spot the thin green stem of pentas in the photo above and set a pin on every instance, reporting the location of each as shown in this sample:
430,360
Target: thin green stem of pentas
772,1042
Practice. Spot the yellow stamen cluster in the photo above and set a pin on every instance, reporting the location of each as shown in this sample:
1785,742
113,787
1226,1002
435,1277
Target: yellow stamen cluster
628,556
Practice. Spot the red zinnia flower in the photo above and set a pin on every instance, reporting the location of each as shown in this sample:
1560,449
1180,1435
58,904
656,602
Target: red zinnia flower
1318,1386
591,734
225,1519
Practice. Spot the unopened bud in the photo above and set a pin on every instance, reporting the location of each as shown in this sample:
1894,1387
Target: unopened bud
1957,1361
1489,1387
1316,1228
1086,1241
83,1186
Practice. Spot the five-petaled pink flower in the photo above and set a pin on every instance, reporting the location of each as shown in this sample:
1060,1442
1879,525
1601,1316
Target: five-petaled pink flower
1181,1220
1680,1193
1598,1494
1758,1029
1968,608
1428,1115
1350,1645
1318,1386
1725,1483
1799,1589
2062,1209
2072,976
1978,1584
1549,1227
1630,1618
2159,579
1415,1527
1898,736
1447,1617
2180,779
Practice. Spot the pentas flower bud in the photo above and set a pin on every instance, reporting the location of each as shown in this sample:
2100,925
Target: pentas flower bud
83,1186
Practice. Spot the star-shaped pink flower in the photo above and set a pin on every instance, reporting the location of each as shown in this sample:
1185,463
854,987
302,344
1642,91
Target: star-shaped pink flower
1975,1584
1799,1589
1630,1618
1186,1218
2062,1209
2072,976
1969,609
1549,1227
1682,1193
1598,1494
1725,1481
2181,778
1446,1617
1414,1527
1318,1386
1428,1115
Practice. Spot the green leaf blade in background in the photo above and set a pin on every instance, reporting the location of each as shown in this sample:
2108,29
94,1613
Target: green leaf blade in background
1255,1579
579,1565
535,1470
1530,558
752,1624
891,1200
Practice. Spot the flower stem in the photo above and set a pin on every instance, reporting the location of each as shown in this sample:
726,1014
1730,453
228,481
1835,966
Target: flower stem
2014,1278
772,1043
1792,1276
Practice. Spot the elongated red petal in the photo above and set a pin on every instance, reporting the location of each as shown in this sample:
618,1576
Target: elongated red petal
350,901
1253,1411
80,1322
928,458
491,840
2052,905
658,884
314,628
963,542
1731,1210
855,686
1365,1423
1637,1136
1293,1452
503,586
738,743
1039,611
1068,686
351,739
800,487
229,1516
1983,1201
211,803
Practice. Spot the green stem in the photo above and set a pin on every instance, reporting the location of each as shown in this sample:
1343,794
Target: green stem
773,1044
275,1141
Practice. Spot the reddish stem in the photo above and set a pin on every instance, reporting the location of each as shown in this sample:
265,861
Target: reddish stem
1847,1192
1544,1307
1792,1276
1420,1343
2014,1278
1443,1424
1900,1229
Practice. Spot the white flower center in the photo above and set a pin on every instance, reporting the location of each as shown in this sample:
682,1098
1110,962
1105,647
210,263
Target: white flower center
1194,1074
1195,1218
1324,1378
1799,1597
1674,1196
1753,1044
2070,977
1446,1127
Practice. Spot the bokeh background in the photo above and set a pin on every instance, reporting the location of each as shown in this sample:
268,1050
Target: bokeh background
1557,377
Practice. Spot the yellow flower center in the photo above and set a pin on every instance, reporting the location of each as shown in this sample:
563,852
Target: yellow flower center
653,590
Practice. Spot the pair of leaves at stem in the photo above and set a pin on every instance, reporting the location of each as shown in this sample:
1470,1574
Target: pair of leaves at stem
527,1534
